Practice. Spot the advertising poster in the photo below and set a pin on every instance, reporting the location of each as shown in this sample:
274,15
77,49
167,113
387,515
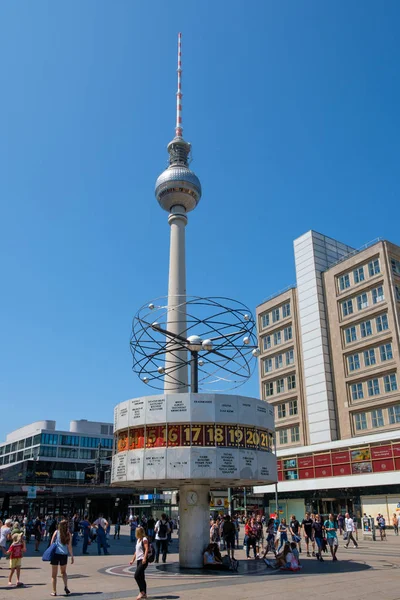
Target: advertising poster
156,409
379,452
226,409
305,462
202,408
248,464
137,415
323,471
362,467
134,465
155,463
340,457
178,408
361,454
306,473
339,470
178,463
322,460
228,463
203,463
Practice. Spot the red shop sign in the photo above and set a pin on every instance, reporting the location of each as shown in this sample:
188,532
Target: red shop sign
279,464
340,457
323,471
339,470
380,466
322,460
396,450
305,461
381,452
280,475
397,464
306,473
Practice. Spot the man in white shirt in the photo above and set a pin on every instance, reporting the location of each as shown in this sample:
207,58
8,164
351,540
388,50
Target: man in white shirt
101,524
162,530
350,528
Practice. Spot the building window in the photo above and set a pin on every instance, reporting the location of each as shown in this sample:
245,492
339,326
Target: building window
69,440
277,338
48,451
286,310
107,442
36,439
269,388
351,334
347,308
357,391
68,452
104,429
28,442
89,442
373,387
361,421
295,434
87,454
267,342
354,362
265,320
378,295
377,418
50,439
268,365
394,414
278,361
358,274
288,333
21,444
344,281
386,352
382,323
374,267
362,301
390,383
280,386
395,266
283,436
291,381
366,329
397,290
293,408
290,357
281,410
275,315
369,358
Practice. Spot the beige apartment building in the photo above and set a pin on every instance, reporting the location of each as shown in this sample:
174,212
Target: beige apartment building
330,352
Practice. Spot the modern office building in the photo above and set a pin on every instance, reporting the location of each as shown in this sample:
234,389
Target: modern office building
329,365
63,466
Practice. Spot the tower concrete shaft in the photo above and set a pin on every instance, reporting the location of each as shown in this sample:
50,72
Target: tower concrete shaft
177,359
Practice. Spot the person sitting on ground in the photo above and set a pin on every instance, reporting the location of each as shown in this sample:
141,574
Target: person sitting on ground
283,559
211,560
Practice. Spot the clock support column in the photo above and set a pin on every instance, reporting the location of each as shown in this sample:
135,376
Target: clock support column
194,524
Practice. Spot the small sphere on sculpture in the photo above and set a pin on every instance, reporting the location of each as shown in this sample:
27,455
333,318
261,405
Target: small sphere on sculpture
194,343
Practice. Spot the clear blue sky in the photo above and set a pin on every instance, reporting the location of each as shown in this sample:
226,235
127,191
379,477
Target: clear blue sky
293,112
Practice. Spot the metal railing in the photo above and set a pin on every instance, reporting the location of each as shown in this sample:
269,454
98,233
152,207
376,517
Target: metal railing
286,289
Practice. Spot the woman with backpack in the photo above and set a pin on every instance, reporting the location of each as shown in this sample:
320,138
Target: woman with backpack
141,555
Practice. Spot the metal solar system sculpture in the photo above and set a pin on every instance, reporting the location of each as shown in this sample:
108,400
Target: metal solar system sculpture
219,343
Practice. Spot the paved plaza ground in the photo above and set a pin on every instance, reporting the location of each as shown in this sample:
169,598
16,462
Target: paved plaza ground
364,574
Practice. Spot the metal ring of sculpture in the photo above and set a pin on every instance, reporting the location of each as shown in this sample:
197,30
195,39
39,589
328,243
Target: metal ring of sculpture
222,330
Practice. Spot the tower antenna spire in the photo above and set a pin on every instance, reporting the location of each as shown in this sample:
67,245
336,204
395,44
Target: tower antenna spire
178,127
